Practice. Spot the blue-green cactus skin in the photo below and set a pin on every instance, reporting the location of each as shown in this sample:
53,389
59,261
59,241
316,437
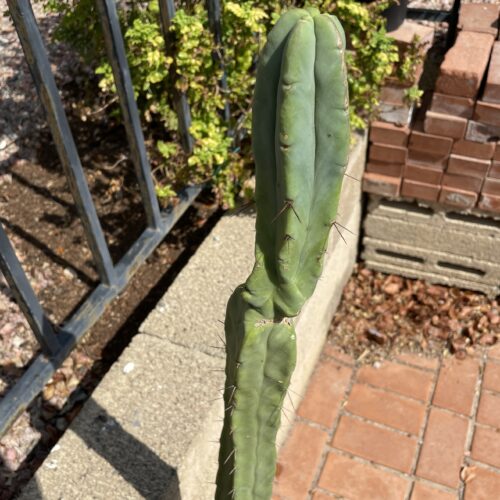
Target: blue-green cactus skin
300,144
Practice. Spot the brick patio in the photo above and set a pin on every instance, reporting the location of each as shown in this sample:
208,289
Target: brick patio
412,428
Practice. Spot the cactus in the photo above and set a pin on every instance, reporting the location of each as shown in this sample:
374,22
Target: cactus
301,144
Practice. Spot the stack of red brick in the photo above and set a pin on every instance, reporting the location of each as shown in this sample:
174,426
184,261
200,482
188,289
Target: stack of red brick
452,156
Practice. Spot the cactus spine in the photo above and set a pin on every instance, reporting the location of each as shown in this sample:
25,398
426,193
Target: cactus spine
301,145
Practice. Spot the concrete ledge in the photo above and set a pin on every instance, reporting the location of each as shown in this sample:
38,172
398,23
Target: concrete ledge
151,428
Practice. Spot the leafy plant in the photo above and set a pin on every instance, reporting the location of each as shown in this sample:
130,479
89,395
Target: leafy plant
301,146
413,94
221,153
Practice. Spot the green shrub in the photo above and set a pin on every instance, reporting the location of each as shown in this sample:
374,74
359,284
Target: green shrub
218,156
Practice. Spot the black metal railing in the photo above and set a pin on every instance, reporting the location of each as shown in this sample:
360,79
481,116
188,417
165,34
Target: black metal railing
56,342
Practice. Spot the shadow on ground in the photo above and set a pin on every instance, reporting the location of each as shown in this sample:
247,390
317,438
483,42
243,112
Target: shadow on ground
152,478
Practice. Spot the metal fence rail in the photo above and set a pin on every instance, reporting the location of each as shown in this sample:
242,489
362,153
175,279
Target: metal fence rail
56,342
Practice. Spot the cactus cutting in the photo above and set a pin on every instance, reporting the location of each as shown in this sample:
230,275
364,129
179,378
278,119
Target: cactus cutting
301,145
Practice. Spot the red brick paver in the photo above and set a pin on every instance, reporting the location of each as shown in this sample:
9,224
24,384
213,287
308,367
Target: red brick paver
423,491
399,378
326,391
494,352
486,446
409,429
386,408
457,384
489,409
418,361
492,377
377,444
353,479
483,484
319,495
298,461
445,431
334,352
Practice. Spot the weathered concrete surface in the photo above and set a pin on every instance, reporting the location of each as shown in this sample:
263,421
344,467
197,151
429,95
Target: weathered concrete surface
198,296
149,429
131,438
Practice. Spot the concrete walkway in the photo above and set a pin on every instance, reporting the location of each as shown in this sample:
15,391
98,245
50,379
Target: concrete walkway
412,428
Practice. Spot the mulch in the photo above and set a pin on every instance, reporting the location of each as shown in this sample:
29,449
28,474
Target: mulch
382,315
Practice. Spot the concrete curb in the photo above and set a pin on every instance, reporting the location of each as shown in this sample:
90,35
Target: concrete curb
151,428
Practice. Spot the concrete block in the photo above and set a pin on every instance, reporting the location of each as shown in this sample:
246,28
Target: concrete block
429,242
470,273
431,277
430,237
432,213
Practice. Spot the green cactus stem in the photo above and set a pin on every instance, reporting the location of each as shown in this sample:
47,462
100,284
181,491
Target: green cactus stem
301,144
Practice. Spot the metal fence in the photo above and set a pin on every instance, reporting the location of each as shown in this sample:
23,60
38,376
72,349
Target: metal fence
56,342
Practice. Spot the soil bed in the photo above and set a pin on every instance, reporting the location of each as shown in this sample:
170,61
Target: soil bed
383,315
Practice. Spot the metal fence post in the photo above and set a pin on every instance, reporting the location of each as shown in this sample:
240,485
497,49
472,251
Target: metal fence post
116,52
25,297
36,57
167,13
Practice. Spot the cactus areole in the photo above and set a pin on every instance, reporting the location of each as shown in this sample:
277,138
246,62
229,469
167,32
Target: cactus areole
301,145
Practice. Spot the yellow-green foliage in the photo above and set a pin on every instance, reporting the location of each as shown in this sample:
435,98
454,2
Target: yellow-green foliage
218,157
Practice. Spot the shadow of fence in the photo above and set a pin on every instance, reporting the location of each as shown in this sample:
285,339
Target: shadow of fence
140,467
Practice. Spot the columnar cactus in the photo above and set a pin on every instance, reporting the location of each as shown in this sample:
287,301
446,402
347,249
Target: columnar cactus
300,144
